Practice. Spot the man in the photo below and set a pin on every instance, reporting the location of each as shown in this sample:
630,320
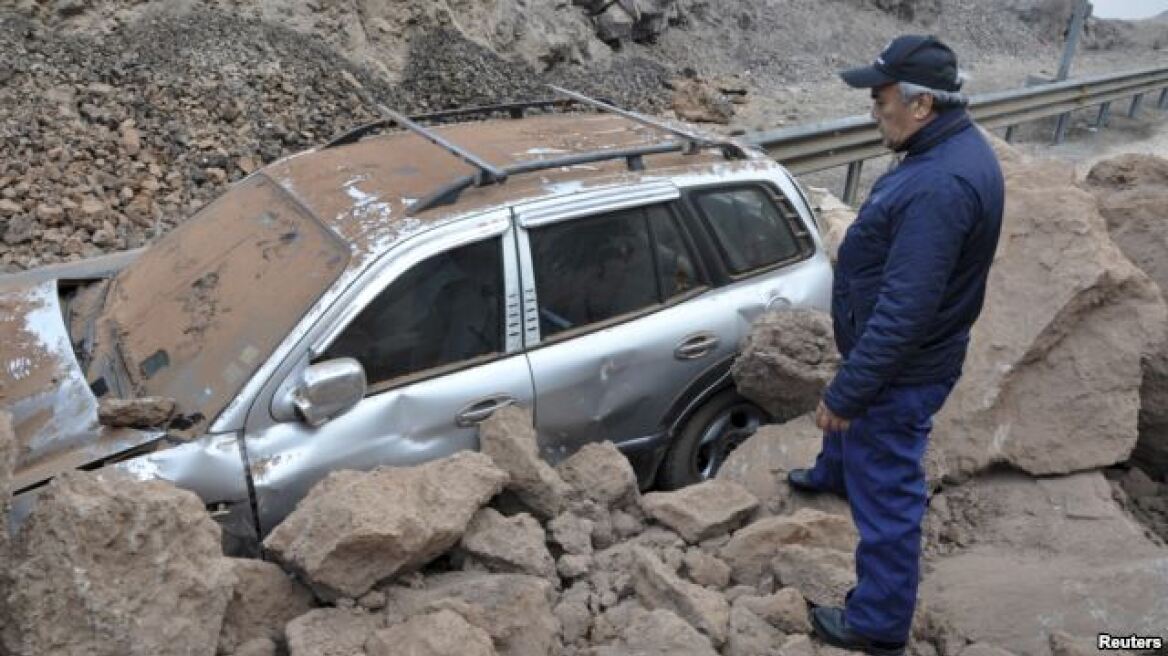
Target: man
909,284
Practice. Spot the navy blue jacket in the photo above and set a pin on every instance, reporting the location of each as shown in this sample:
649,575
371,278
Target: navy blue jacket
912,268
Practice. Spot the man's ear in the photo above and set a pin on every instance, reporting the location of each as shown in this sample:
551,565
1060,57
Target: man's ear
922,106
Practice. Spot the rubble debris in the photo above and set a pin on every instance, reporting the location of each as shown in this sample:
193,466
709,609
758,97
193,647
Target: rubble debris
788,359
572,533
662,633
144,412
657,586
441,633
263,601
108,564
701,101
751,549
600,473
515,609
509,544
332,632
509,438
346,535
701,511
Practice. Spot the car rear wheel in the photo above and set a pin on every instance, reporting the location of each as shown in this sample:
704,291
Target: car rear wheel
707,438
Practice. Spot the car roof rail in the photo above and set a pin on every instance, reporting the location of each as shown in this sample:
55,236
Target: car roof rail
514,110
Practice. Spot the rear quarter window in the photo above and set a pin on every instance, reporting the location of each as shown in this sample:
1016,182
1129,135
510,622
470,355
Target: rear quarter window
753,228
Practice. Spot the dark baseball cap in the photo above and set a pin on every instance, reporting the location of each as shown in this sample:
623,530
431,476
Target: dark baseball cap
911,58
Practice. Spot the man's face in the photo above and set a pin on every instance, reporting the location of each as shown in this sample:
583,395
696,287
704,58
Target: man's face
896,119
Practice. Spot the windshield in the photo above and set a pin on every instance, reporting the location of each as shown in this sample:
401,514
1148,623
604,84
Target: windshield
199,311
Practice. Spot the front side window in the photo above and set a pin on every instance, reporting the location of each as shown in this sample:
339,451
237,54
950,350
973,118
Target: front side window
593,269
445,310
752,230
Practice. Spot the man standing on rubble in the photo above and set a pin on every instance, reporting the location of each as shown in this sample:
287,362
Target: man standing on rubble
909,284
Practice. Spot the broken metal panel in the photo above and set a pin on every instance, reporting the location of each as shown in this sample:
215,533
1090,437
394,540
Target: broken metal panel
54,413
201,310
211,467
404,426
103,266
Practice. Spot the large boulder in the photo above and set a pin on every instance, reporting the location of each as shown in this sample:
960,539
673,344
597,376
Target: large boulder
599,472
107,564
1051,382
702,511
509,438
788,359
514,609
356,528
1133,198
264,600
1050,555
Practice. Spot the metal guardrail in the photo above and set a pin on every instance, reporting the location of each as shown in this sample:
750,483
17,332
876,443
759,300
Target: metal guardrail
849,141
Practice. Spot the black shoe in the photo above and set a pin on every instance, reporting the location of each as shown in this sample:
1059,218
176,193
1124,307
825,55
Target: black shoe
800,479
831,628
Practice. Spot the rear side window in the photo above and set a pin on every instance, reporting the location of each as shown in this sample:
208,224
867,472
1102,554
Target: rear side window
593,269
752,230
445,310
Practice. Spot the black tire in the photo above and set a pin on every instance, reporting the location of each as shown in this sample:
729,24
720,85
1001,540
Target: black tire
707,437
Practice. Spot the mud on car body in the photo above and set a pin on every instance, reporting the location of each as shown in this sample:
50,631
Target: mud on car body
371,301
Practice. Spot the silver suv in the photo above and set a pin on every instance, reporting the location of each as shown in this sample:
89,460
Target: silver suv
369,302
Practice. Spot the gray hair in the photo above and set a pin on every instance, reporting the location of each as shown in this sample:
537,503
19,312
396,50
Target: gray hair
942,100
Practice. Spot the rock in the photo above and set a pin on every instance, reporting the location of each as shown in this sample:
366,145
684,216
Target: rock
785,610
663,633
750,635
1057,553
144,412
700,101
762,462
572,566
9,208
626,525
515,609
509,438
573,614
264,600
354,529
799,645
751,550
256,647
600,472
107,564
49,215
983,649
21,229
834,217
572,533
787,361
821,575
702,511
131,141
509,544
706,570
658,587
1134,201
331,632
442,633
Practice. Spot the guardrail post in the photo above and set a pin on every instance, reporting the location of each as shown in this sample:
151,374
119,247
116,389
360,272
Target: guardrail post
1135,106
1060,130
1010,133
852,183
1163,103
1104,115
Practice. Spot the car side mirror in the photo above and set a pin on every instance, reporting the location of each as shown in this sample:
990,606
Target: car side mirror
328,389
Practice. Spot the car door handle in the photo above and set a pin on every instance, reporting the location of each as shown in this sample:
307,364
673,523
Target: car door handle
695,346
478,411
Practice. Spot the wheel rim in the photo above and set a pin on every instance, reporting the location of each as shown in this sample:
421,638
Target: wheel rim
723,434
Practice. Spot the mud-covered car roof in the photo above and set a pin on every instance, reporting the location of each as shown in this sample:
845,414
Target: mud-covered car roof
364,190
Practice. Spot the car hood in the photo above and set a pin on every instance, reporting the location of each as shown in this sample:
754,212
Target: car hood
42,386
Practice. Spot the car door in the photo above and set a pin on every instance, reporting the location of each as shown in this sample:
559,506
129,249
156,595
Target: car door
440,344
616,316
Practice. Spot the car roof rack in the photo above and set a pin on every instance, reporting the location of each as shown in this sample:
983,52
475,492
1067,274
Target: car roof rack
514,110
486,173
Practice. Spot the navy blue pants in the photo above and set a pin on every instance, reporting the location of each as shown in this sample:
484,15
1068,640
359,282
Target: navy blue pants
877,462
